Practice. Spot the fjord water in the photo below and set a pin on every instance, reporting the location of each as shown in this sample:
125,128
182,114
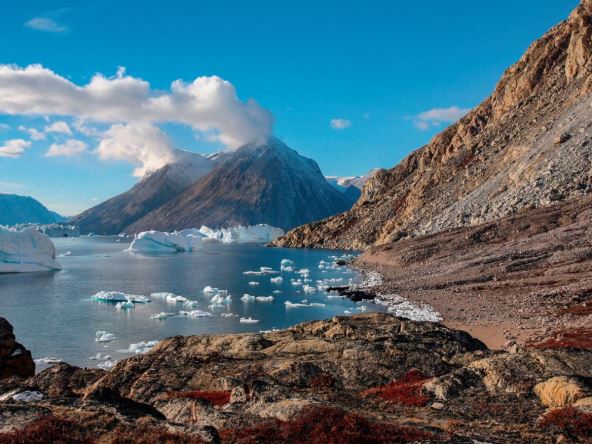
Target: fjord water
54,316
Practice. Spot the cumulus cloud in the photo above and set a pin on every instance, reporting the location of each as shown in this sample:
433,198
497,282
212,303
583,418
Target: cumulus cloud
59,127
437,116
141,144
339,124
14,148
70,148
45,24
33,133
207,104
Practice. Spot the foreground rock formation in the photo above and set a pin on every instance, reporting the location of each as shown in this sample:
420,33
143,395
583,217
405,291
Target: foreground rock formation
366,378
526,146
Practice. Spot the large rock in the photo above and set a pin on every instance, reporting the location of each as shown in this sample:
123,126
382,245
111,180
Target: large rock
560,391
15,359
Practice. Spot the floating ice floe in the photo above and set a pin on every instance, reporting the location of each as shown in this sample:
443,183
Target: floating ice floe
28,396
309,289
140,347
124,305
106,365
277,280
103,336
262,271
26,251
228,315
162,242
161,316
248,298
118,296
264,298
254,284
67,253
221,299
303,303
170,298
248,321
100,357
195,314
48,360
404,308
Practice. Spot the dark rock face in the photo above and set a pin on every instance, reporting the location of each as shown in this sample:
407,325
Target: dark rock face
529,144
268,183
15,359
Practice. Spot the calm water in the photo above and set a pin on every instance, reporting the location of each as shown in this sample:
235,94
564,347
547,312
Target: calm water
54,316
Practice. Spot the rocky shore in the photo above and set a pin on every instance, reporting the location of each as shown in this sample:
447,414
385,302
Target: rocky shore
362,379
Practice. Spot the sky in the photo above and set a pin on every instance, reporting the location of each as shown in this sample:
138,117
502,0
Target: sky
95,93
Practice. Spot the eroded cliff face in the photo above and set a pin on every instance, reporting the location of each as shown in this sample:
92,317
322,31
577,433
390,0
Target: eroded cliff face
526,146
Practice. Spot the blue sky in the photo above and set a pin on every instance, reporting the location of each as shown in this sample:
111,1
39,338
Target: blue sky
348,83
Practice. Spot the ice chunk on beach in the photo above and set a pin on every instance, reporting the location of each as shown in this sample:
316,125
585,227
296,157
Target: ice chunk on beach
161,316
404,308
118,296
161,242
26,251
28,396
248,321
103,336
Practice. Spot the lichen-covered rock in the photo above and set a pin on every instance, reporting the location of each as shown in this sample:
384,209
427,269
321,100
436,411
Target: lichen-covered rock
560,391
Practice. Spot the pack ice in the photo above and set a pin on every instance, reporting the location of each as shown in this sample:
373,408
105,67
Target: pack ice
26,251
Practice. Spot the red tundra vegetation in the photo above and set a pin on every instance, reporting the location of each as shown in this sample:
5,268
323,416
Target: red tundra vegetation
325,425
569,420
405,391
215,397
575,338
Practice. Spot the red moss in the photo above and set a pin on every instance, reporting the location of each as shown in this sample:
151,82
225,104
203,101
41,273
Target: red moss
576,338
569,420
325,425
46,429
404,391
216,397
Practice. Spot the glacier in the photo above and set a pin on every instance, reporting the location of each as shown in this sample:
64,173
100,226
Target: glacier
26,251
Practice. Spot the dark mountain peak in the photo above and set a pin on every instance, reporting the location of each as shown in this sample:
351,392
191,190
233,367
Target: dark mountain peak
15,209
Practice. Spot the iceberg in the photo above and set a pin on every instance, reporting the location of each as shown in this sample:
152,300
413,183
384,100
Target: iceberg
253,284
255,234
162,242
248,321
103,336
26,251
170,298
264,298
248,298
195,314
124,305
277,280
161,316
140,347
118,296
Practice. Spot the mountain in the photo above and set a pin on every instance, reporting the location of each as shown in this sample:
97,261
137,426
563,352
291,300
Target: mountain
350,186
152,191
269,183
16,209
526,146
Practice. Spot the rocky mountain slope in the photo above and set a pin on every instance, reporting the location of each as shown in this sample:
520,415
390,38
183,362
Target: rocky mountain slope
16,209
157,188
367,378
269,183
528,145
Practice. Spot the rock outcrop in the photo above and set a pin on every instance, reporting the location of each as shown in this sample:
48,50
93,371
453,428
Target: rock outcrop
365,378
15,359
526,146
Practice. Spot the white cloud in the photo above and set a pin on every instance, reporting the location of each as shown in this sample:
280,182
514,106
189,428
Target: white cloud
207,104
70,148
33,133
339,124
59,127
437,116
45,24
14,148
141,144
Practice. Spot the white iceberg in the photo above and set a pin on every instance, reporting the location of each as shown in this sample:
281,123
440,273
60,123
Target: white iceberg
170,298
103,336
26,251
118,296
161,316
277,280
248,321
248,298
124,305
264,298
161,242
308,289
253,284
195,314
140,347
257,234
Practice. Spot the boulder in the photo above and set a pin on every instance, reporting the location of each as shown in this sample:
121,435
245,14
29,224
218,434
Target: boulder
560,391
15,359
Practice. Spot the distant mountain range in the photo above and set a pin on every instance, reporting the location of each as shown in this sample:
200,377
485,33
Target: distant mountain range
257,183
15,209
350,186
